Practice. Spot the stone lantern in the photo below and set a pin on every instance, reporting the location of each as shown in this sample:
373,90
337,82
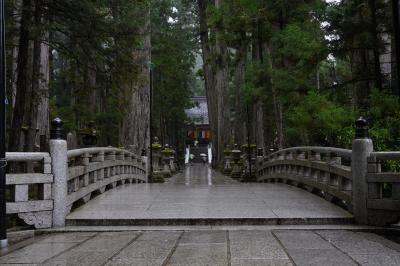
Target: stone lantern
89,135
166,158
237,162
157,176
227,161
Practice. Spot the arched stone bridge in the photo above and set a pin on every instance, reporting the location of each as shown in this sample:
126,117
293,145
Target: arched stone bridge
96,184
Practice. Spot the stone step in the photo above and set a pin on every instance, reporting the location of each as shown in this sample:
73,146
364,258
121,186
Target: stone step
210,221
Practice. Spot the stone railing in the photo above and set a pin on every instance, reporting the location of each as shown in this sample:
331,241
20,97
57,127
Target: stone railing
325,171
92,170
383,188
30,192
354,179
43,187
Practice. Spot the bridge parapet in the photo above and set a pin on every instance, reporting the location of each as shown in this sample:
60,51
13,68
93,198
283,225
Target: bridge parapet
357,179
29,183
322,170
383,188
92,170
43,187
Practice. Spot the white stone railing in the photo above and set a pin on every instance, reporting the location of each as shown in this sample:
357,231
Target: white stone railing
93,170
323,170
356,179
34,208
44,186
383,187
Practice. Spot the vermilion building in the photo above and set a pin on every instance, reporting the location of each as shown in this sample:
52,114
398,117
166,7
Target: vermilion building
199,127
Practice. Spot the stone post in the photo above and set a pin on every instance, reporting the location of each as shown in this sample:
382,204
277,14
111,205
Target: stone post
146,161
362,149
58,152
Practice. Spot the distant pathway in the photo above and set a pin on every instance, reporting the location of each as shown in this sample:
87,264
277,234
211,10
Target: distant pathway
201,193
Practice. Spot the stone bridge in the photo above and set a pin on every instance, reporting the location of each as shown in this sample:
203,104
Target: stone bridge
102,187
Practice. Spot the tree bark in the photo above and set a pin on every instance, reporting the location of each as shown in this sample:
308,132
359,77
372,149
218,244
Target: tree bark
39,105
208,69
239,85
136,125
222,88
22,78
376,45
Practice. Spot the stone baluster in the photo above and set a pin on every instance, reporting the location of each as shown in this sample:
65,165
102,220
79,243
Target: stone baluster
110,156
289,156
84,159
301,155
47,188
99,157
336,160
362,149
324,177
374,189
120,156
58,152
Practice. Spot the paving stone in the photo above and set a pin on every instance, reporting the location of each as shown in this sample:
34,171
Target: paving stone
160,235
208,254
136,262
339,235
200,192
380,239
362,247
36,253
294,239
203,237
147,250
377,259
260,262
319,257
67,238
81,258
107,241
257,250
95,251
5,264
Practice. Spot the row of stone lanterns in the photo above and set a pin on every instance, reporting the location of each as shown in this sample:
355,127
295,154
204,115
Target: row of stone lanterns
240,164
164,163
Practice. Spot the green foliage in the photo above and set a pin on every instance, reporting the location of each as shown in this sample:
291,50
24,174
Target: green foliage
384,117
168,151
156,146
252,146
174,57
316,119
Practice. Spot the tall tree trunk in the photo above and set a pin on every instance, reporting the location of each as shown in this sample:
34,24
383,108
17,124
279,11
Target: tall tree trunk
239,86
92,79
207,50
22,79
376,45
278,112
136,124
35,96
222,88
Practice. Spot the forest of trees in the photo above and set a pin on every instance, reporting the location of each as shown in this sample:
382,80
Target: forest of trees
299,72
292,72
90,60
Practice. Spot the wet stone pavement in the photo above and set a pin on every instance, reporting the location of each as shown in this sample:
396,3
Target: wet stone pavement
201,193
219,247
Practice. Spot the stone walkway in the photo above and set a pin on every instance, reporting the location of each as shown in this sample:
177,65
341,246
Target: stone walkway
201,194
214,248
